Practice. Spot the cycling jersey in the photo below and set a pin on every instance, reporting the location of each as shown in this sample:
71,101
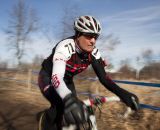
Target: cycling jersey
67,60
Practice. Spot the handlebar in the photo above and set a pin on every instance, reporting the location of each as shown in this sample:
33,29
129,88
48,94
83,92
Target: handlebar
102,99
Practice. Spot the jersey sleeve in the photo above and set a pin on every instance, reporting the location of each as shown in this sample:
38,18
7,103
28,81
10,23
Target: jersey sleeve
62,53
65,48
98,66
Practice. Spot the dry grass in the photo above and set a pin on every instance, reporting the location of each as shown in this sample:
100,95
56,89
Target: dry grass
19,106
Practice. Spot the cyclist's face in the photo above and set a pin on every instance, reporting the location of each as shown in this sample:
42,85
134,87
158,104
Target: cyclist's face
87,42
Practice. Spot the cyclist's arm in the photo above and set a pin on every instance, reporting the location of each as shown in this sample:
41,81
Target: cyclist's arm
98,66
128,98
59,66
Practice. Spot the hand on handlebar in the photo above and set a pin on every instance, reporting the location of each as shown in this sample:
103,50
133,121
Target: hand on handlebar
130,100
74,111
133,102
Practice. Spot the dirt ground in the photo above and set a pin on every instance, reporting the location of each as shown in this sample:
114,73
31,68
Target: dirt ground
20,105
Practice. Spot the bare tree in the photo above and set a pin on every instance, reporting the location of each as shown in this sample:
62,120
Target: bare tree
70,13
109,42
3,64
125,62
22,23
48,32
139,66
126,70
37,61
147,56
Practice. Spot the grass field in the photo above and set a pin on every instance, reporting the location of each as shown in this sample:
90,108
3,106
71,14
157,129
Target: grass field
19,106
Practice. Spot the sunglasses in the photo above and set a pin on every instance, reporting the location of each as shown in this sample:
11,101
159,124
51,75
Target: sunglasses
91,35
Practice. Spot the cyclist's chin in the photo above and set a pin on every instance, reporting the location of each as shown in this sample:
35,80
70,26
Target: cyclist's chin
88,49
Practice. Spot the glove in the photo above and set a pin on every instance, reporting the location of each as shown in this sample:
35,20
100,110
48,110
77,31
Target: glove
129,99
74,110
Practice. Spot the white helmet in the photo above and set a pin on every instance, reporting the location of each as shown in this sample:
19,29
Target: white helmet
87,24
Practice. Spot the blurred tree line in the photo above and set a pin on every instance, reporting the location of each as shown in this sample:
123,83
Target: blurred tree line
147,68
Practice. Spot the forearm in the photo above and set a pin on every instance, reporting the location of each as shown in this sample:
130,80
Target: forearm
58,77
104,78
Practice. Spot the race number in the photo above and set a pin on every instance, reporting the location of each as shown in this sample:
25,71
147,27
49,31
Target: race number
55,81
70,48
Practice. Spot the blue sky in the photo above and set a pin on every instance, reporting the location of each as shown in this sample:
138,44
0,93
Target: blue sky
135,22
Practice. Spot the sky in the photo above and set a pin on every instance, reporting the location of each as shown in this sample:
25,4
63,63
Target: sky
136,23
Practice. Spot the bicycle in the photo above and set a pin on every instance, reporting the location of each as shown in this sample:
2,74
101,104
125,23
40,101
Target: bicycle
92,103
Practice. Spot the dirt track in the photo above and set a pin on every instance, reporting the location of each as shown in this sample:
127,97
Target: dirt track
19,106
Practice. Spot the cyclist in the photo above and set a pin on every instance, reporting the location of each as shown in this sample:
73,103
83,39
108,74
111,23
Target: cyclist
70,57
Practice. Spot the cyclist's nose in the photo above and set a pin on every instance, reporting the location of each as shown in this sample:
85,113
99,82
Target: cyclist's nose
93,40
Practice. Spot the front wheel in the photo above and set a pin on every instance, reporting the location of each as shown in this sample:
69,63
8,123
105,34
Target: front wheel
41,121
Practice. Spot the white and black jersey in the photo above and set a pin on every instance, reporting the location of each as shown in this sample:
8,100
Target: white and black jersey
67,60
